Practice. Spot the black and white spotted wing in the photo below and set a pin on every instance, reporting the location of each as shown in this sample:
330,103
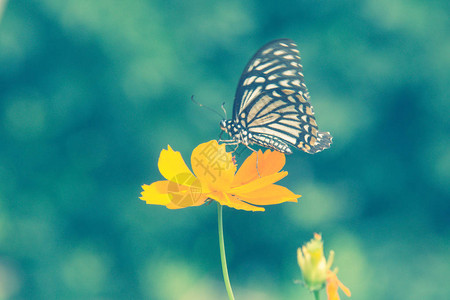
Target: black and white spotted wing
271,105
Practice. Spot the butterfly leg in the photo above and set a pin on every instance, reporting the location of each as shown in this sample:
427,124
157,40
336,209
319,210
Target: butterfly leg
257,165
230,143
256,158
237,146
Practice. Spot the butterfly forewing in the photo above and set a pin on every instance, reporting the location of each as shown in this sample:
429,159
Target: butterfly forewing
272,98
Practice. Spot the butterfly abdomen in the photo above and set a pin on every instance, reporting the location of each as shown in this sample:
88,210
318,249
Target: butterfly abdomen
272,142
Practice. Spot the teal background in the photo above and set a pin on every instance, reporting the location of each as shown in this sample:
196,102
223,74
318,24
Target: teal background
91,91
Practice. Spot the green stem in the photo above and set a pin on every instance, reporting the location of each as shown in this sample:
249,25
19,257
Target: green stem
222,254
316,295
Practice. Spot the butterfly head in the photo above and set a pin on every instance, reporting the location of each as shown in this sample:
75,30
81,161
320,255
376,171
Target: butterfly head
226,125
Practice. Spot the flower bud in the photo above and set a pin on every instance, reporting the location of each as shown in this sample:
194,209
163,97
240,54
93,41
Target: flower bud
313,263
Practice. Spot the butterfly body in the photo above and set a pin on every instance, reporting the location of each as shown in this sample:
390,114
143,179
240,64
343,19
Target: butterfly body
240,135
271,105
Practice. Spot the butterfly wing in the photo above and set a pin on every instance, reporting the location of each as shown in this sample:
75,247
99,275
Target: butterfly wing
272,98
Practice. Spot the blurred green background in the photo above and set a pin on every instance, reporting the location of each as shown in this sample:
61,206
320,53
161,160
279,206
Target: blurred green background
91,91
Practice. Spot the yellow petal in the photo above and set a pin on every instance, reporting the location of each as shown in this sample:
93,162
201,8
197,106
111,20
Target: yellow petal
258,183
231,201
332,291
172,195
183,200
171,164
269,162
213,166
272,194
156,193
345,289
333,284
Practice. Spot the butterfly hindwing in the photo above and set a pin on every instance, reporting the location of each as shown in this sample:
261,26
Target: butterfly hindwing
272,98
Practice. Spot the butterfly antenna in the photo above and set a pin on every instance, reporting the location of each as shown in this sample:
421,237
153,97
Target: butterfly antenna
224,110
207,107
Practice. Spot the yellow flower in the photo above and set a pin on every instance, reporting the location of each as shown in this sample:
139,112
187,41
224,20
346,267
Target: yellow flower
316,269
216,178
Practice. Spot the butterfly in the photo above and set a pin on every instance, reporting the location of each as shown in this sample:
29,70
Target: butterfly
271,106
